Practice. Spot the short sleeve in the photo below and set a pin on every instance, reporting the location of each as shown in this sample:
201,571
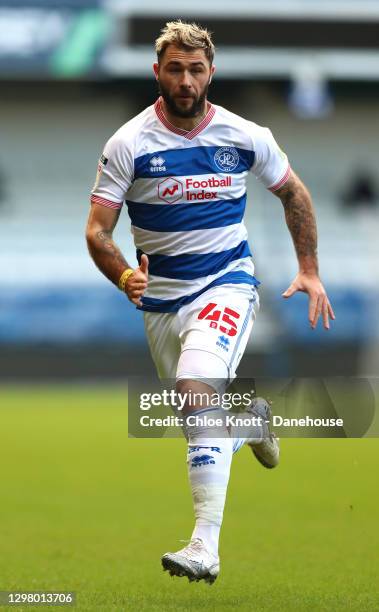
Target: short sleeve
271,166
114,174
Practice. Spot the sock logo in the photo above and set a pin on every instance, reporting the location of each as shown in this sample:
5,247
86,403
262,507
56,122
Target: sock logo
213,449
202,460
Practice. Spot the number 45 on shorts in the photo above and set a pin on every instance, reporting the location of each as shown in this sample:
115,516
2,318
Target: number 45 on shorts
218,317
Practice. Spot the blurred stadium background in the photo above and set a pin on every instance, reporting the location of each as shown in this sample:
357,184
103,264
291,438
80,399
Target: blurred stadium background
72,71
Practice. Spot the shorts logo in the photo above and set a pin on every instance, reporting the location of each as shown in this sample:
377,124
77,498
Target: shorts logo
104,160
223,342
226,159
157,164
170,190
202,460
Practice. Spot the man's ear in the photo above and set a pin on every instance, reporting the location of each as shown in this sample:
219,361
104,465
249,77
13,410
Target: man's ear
156,70
213,68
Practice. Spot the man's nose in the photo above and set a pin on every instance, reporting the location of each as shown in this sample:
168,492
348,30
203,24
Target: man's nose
185,80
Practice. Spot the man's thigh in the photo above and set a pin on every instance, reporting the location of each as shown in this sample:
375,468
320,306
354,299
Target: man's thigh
214,330
162,332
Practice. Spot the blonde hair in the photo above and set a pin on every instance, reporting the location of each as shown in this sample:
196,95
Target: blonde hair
186,35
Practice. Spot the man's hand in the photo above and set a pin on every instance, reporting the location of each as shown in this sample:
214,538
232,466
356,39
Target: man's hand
301,223
137,282
318,300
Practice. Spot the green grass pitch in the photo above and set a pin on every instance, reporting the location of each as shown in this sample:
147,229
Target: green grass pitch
84,508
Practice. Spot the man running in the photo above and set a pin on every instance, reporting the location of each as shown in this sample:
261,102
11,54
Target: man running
181,167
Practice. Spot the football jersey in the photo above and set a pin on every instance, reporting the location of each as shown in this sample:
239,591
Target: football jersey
185,192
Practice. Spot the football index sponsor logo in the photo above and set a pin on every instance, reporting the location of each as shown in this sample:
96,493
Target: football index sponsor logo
157,164
204,185
226,159
171,189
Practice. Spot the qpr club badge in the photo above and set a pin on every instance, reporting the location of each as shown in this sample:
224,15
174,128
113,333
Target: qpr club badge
226,159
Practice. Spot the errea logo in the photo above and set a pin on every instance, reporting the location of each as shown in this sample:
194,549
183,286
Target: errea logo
200,460
223,342
157,164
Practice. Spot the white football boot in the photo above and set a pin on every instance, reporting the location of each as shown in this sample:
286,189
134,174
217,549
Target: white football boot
193,561
267,450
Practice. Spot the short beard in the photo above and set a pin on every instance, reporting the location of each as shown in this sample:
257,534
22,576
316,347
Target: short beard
193,111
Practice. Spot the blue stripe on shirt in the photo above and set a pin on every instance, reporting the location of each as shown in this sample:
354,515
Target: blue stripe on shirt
189,161
194,266
183,217
236,278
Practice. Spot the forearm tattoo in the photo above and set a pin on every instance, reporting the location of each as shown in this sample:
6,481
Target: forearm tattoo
300,218
107,256
110,247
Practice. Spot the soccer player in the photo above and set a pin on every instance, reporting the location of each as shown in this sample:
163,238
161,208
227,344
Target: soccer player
181,167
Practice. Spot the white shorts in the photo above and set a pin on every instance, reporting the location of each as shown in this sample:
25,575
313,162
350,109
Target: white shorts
216,325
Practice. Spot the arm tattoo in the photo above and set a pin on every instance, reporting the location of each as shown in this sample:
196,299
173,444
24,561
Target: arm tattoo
107,256
110,247
300,220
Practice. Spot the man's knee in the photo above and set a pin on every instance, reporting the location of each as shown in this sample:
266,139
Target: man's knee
201,365
197,394
200,375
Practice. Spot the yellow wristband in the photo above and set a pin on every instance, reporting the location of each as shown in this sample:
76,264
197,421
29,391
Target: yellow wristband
124,277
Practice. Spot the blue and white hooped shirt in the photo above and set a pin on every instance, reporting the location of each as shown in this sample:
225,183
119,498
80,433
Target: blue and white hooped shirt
186,196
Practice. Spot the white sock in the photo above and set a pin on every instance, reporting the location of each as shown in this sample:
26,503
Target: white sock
209,460
210,535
